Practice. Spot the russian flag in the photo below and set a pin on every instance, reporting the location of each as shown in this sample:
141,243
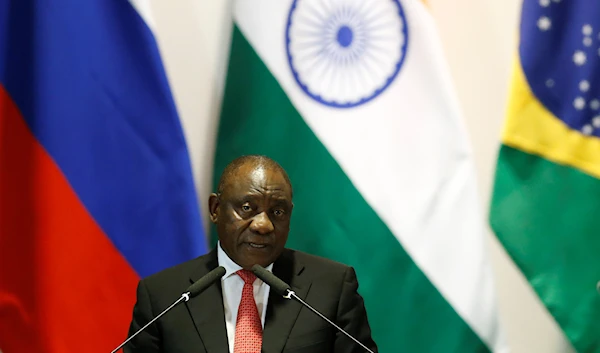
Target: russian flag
96,188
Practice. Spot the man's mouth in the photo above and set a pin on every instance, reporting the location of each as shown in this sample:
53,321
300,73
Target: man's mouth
257,246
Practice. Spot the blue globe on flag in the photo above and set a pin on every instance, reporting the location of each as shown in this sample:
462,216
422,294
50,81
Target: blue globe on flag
344,53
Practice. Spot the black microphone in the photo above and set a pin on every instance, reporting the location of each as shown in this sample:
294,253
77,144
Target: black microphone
200,285
286,291
193,290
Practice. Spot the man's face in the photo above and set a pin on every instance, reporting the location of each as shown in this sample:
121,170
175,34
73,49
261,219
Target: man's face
252,215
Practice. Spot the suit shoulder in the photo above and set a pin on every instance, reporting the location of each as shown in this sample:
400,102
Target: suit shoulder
176,272
318,262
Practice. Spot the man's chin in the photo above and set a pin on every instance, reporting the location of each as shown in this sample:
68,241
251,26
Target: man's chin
250,256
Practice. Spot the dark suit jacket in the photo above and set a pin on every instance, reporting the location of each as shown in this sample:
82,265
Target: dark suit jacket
199,325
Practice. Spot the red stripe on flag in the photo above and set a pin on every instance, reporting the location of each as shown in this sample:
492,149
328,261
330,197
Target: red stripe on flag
63,285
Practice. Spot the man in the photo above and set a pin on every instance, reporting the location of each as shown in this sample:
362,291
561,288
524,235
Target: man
252,210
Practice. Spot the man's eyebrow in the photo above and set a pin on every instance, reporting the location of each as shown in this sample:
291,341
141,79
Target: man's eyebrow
279,197
248,197
282,201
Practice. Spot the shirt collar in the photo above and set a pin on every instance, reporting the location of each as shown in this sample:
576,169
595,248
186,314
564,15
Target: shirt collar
230,266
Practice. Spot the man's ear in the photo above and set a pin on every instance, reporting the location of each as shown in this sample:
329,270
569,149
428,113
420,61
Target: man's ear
213,207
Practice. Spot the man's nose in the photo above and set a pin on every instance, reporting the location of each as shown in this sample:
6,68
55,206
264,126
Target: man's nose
261,224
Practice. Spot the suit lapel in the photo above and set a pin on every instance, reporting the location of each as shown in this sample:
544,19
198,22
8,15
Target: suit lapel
207,310
282,313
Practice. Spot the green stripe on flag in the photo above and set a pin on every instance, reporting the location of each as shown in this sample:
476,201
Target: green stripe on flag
547,216
331,218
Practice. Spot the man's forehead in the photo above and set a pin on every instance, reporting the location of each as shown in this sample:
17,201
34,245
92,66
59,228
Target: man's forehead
249,176
254,172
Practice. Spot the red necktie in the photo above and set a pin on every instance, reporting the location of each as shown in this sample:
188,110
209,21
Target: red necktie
248,328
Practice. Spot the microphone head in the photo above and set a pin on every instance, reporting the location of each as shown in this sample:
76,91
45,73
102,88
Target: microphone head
200,285
273,281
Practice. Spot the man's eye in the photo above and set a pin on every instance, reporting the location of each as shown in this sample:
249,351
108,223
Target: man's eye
278,212
246,208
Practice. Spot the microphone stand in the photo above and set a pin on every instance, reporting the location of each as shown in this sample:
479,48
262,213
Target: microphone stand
292,295
184,297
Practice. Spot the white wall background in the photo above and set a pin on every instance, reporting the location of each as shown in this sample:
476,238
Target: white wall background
479,38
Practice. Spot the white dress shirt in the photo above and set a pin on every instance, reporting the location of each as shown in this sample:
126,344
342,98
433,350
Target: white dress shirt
232,285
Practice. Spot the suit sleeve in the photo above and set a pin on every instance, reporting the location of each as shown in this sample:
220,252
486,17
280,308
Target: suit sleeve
148,340
352,317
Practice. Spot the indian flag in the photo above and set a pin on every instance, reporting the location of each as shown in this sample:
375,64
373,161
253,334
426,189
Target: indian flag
546,204
354,99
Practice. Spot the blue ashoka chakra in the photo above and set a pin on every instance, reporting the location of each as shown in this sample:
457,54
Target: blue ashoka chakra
344,53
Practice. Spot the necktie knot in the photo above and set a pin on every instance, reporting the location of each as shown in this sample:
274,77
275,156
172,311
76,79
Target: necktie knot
247,276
